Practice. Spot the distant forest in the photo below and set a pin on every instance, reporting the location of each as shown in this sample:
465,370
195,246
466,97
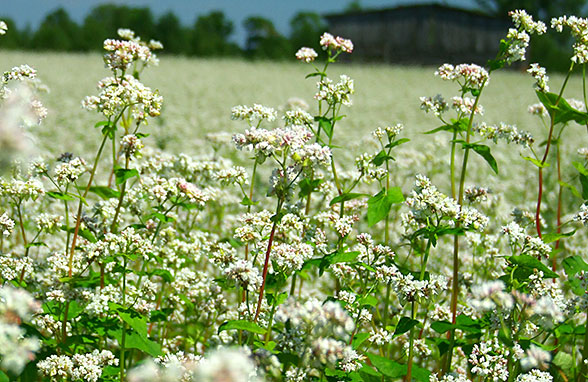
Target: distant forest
209,36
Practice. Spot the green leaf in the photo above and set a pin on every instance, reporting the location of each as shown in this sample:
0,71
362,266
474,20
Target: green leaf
104,192
344,257
483,151
36,244
164,274
346,197
308,186
531,263
122,174
4,377
573,189
573,265
358,339
248,202
326,125
381,157
536,162
379,204
397,142
315,74
241,325
101,123
85,233
564,361
554,236
584,183
337,257
404,325
441,326
135,341
161,217
580,167
368,300
394,369
60,195
562,112
135,321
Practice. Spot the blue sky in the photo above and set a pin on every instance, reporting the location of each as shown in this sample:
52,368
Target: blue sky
31,12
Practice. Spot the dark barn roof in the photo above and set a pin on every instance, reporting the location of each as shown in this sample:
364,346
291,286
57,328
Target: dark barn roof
420,34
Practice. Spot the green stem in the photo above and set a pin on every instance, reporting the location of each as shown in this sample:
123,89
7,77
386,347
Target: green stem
547,146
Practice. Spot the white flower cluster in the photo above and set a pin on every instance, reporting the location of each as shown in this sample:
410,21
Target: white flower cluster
79,367
465,105
124,53
536,358
527,244
131,145
6,224
16,349
336,43
582,215
253,113
538,109
518,37
476,194
427,202
3,27
22,190
469,75
524,21
506,132
119,93
540,76
335,93
127,242
579,29
70,171
489,359
491,295
437,105
245,274
389,131
535,375
20,73
306,54
192,192
298,117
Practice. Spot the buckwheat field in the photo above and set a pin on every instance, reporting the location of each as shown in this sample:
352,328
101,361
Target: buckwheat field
173,219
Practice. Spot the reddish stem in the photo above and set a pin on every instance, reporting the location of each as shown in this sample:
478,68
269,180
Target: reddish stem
265,266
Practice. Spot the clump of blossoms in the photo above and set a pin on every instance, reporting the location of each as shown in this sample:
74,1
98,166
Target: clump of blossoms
578,27
18,348
338,44
540,76
518,38
429,206
306,55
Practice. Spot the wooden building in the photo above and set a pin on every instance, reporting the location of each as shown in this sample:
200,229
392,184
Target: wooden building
420,34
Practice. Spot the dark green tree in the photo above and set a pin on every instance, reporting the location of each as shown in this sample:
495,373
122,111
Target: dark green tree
264,41
170,32
58,32
353,6
542,9
552,50
14,39
104,20
306,29
210,36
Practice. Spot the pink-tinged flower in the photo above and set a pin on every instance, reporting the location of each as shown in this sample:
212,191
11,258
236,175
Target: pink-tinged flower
306,54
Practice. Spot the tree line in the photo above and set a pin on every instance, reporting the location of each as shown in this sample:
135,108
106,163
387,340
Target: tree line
210,35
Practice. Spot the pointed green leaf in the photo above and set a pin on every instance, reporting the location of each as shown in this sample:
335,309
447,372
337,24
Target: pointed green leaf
241,325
